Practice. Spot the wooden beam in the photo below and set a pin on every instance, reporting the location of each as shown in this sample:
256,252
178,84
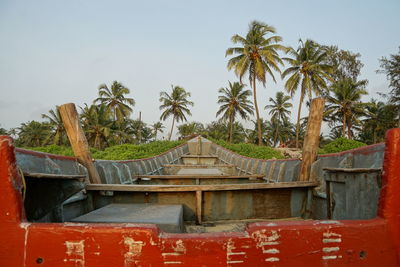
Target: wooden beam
192,188
197,176
311,140
199,200
54,176
78,140
213,166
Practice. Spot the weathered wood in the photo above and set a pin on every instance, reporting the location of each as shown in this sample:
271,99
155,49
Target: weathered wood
200,156
172,176
78,140
54,176
188,188
199,199
353,170
311,140
201,166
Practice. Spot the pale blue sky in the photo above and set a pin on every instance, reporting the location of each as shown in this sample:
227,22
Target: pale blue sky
54,52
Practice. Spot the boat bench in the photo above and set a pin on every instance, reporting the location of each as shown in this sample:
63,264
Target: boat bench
168,218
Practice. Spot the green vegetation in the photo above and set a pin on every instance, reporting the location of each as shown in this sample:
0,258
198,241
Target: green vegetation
118,152
250,150
339,145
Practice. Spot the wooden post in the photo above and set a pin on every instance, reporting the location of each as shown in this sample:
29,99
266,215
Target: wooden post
311,140
78,141
199,200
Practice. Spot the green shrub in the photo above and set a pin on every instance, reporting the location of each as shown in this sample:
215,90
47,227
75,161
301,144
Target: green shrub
119,152
250,150
339,145
53,149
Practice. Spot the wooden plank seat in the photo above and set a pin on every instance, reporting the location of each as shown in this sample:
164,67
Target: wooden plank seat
199,156
188,188
172,176
201,166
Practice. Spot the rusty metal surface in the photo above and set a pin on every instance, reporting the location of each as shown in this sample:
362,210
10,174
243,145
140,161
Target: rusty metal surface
352,193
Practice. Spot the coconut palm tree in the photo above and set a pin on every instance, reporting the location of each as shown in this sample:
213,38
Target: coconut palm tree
256,55
176,105
157,127
97,124
279,111
32,133
115,100
58,133
345,103
307,71
234,100
190,129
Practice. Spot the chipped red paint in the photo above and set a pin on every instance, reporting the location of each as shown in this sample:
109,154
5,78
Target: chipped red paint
374,242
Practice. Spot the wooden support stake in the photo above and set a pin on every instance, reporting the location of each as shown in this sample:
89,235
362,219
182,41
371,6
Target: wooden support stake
199,199
78,141
311,140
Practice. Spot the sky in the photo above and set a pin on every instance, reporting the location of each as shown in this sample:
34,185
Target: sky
56,52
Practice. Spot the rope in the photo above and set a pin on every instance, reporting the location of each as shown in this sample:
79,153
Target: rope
23,184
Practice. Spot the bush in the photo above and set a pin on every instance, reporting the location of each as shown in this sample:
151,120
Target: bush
339,145
250,150
119,152
53,149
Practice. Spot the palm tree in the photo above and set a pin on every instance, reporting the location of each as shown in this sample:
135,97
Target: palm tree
345,103
32,133
189,129
378,119
233,101
176,105
257,56
97,124
279,110
157,127
307,70
58,133
115,100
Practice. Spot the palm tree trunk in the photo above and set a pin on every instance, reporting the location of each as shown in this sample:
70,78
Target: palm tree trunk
344,126
298,120
257,113
349,131
172,128
276,134
230,129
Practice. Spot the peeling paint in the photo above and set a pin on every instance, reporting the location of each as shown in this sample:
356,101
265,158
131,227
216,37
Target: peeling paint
272,259
179,247
134,250
330,249
230,246
271,251
75,252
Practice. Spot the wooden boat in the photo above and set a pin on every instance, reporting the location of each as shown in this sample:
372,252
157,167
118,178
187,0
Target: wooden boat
200,204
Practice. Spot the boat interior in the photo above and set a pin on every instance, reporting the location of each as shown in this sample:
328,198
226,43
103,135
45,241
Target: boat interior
201,187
